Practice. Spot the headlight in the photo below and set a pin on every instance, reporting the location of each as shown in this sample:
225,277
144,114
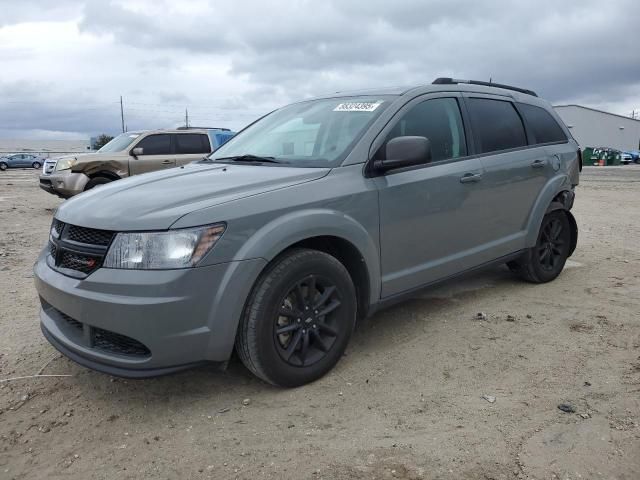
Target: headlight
162,250
65,163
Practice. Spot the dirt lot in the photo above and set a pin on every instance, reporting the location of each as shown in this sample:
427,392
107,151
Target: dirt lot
406,401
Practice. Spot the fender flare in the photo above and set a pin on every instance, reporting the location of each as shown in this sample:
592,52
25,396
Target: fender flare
281,233
555,187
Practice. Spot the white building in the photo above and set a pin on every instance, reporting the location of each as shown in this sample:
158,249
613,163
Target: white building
595,128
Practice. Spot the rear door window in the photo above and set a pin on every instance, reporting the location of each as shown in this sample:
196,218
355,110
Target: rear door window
156,144
496,125
541,124
189,143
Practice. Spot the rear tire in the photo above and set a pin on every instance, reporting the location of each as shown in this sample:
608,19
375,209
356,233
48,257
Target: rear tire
544,262
36,165
298,319
3,166
94,182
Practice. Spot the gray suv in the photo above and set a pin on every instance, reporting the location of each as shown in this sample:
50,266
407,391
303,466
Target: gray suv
311,218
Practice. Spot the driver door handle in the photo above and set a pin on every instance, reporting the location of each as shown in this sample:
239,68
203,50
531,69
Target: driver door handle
167,162
538,163
470,178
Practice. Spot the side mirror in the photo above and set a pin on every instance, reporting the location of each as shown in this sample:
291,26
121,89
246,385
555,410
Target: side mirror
137,151
405,152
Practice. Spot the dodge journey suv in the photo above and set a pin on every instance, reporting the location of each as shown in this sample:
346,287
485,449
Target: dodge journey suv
128,154
311,218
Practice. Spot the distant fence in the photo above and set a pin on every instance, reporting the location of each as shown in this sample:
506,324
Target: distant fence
44,154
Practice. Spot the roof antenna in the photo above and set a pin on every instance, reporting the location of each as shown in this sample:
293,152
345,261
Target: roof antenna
490,79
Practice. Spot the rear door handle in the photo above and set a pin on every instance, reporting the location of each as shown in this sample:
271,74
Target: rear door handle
167,162
538,163
470,178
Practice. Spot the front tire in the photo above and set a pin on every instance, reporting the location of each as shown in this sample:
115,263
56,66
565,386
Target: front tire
298,319
544,262
3,166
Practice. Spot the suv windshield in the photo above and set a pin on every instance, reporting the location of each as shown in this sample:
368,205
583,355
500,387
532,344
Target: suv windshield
119,143
317,133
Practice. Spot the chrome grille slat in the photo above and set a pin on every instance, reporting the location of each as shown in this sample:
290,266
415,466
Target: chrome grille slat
49,167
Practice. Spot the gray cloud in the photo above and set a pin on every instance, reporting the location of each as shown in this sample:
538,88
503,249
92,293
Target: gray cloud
232,61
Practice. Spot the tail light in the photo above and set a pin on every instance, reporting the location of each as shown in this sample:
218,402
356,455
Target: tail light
580,160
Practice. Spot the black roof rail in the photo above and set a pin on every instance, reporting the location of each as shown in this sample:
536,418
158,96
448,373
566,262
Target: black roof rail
203,128
454,81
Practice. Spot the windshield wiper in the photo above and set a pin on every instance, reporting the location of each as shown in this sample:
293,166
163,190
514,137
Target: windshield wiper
251,158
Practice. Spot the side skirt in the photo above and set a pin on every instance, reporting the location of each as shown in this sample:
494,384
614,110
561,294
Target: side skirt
406,295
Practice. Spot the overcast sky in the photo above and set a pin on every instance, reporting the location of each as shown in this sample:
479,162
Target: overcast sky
65,63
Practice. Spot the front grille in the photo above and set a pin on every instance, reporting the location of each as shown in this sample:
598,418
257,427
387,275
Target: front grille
70,321
119,344
89,235
77,251
49,167
75,261
57,226
104,340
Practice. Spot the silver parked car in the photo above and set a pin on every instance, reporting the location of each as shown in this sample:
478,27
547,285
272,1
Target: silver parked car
313,217
21,160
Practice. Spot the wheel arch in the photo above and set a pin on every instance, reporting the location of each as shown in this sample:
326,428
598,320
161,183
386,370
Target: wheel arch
560,203
328,231
105,174
556,194
347,254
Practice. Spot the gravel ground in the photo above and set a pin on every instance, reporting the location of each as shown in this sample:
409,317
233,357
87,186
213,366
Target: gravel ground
405,402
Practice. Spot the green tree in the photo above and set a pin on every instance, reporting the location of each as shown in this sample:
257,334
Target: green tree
102,140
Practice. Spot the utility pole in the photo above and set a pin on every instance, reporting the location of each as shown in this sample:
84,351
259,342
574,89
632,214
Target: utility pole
122,114
186,117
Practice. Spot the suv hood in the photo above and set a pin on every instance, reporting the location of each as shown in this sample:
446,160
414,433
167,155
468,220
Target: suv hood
155,201
78,156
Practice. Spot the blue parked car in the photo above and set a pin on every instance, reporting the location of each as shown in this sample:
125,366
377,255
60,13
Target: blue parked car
634,154
21,160
219,136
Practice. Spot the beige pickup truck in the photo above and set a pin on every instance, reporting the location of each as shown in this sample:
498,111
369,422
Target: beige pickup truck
128,154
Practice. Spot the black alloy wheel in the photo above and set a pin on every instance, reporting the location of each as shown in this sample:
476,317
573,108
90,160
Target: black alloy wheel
305,327
544,261
552,246
298,318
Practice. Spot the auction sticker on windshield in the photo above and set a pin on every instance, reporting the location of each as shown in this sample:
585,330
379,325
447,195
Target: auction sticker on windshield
358,106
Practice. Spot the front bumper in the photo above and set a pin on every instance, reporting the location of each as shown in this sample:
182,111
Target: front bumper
65,183
174,319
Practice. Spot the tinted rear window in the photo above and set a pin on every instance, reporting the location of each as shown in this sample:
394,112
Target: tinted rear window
192,143
496,125
541,124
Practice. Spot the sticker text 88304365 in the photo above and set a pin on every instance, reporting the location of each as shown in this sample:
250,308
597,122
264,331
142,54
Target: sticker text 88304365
357,106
